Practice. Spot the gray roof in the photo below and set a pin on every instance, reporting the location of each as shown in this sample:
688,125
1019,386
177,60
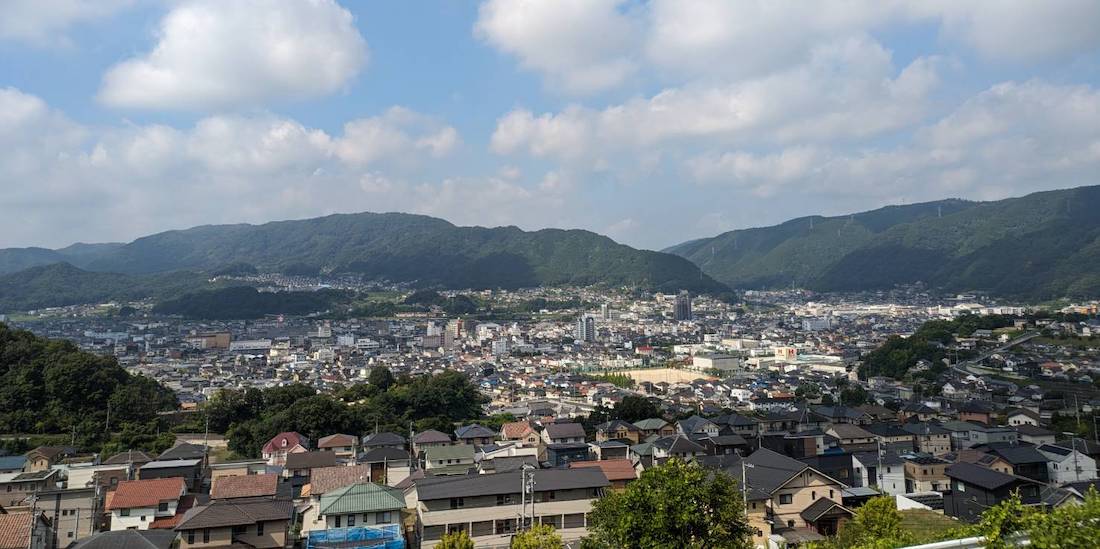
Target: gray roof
384,454
431,436
564,430
474,431
1018,455
383,439
456,451
309,460
651,424
183,450
546,480
128,539
982,477
171,463
233,513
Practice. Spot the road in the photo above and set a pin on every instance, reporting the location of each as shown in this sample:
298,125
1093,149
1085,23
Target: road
964,368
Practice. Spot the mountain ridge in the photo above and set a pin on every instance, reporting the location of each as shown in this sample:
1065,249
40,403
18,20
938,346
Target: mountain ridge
1039,246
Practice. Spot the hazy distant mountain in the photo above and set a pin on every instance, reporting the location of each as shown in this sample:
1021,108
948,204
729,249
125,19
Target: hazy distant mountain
397,247
1039,246
17,259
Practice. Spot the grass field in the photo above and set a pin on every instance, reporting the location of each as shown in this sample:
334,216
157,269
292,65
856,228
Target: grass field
927,526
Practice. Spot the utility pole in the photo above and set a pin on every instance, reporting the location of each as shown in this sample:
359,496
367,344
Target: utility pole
744,483
878,473
1073,446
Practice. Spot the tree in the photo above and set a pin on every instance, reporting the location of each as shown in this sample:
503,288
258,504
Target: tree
876,525
635,408
456,540
853,395
675,504
808,390
540,536
381,377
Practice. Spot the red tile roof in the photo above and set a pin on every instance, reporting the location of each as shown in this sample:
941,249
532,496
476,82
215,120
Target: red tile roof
613,469
326,479
145,493
15,530
516,429
168,523
285,441
244,486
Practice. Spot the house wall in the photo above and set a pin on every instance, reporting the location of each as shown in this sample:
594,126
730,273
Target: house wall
71,514
13,494
363,519
804,489
275,535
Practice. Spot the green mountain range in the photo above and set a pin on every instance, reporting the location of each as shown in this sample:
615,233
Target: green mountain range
420,250
1040,246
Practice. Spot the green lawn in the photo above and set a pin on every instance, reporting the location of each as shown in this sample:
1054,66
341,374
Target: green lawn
927,526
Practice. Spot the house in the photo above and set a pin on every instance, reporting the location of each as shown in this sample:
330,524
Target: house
886,472
787,494
145,504
725,444
610,449
188,469
486,507
677,446
243,467
429,439
362,504
654,427
1026,461
976,410
563,433
1067,464
520,432
145,539
183,450
282,444
967,434
474,435
619,472
263,524
1022,416
15,488
344,446
925,474
1032,434
245,486
24,530
696,426
562,454
12,464
853,438
920,411
299,464
929,438
70,513
323,481
383,440
387,465
974,488
449,460
736,424
840,415
44,457
977,457
891,436
618,429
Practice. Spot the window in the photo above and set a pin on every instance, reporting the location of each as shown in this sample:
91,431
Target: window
504,499
456,503
260,528
206,535
383,517
239,530
70,534
790,524
351,521
162,507
830,494
124,512
813,495
142,518
785,499
190,537
336,519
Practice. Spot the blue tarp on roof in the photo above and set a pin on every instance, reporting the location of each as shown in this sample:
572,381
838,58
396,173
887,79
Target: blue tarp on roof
372,537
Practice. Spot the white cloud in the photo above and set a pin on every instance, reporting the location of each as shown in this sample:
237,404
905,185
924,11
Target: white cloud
1011,139
44,22
848,89
119,182
581,46
213,54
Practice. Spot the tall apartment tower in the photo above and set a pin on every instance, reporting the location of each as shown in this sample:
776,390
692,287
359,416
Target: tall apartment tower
605,312
585,329
682,306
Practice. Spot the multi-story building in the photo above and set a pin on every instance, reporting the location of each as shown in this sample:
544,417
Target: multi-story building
585,329
682,306
140,504
487,507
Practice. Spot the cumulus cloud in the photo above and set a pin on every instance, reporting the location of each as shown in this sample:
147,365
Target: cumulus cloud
211,54
593,45
223,168
1011,139
847,89
44,22
581,46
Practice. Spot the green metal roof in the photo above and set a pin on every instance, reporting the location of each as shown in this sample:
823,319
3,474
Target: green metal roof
365,497
457,451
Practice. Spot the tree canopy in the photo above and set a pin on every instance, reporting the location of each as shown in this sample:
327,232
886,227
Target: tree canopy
675,504
539,536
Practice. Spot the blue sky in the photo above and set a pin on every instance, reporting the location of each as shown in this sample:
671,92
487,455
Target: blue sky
653,122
